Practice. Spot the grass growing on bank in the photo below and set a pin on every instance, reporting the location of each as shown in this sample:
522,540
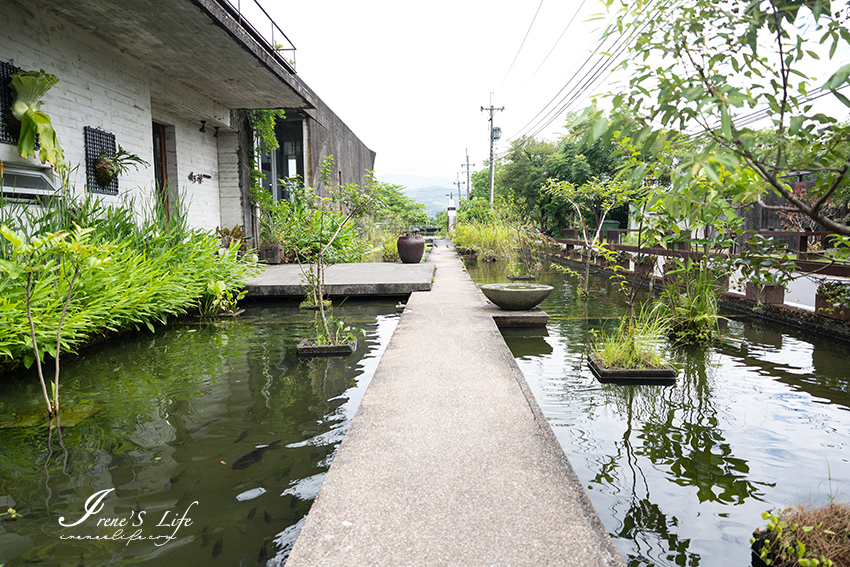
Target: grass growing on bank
806,537
122,274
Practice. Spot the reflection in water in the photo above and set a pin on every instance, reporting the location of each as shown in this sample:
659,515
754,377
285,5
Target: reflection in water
165,420
681,474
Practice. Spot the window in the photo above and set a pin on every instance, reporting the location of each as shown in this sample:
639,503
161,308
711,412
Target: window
285,162
26,183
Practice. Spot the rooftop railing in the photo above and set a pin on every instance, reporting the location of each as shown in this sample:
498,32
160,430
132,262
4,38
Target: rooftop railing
251,15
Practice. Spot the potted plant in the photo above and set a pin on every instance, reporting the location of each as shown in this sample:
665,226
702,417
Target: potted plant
766,269
832,299
622,259
110,165
644,264
629,355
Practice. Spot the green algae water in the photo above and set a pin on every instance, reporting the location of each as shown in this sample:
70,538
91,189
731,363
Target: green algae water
680,475
202,444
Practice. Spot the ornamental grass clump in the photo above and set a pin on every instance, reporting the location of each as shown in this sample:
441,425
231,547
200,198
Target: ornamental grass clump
635,343
805,537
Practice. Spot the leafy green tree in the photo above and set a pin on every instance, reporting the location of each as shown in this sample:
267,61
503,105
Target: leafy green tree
701,64
524,172
397,209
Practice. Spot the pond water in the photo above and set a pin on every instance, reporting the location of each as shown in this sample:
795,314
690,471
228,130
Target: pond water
158,425
680,475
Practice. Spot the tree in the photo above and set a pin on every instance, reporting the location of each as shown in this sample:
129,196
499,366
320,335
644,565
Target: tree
523,174
700,64
603,196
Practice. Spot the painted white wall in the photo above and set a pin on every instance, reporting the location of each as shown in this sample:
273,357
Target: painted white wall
102,87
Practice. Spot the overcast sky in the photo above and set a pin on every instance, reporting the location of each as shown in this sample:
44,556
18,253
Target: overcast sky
410,79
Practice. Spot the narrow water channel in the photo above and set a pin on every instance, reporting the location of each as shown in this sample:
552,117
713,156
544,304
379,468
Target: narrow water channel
680,475
158,425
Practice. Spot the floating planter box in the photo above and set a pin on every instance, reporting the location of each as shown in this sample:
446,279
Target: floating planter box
308,348
665,376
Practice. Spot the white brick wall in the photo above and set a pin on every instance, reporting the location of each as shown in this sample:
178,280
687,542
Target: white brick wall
102,87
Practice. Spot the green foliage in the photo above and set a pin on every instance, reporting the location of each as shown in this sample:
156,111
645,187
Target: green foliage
129,276
327,230
28,88
473,210
635,342
703,64
396,211
805,538
596,198
767,262
389,250
110,166
690,305
836,293
263,123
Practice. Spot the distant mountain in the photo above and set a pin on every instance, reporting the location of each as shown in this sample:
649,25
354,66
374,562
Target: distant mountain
415,181
435,198
433,192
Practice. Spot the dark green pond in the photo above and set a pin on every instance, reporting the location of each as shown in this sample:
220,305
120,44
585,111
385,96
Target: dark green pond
159,420
680,475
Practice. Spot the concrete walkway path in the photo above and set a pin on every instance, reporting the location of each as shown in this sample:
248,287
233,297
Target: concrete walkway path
370,279
449,460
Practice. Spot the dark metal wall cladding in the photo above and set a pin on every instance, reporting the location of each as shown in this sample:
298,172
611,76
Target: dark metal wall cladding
98,141
6,70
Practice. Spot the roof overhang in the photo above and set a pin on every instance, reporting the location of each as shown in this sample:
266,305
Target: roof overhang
200,43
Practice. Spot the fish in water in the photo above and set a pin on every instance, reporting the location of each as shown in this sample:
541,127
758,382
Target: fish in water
263,558
219,544
252,513
254,456
173,480
267,516
188,494
243,435
201,426
205,534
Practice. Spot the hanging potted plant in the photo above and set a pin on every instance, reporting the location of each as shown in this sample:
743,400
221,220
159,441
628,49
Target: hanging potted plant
109,166
27,90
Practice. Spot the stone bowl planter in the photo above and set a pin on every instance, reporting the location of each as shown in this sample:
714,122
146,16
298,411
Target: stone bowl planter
516,296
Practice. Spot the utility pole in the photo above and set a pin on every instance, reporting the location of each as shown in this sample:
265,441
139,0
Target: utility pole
458,184
492,110
467,166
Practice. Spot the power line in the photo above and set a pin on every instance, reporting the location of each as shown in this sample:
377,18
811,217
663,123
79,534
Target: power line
617,48
521,44
560,37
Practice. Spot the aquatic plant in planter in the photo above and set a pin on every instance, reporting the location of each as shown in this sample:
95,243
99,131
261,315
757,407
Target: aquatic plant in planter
109,166
630,354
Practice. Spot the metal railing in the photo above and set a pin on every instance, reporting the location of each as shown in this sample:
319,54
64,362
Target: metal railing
251,15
